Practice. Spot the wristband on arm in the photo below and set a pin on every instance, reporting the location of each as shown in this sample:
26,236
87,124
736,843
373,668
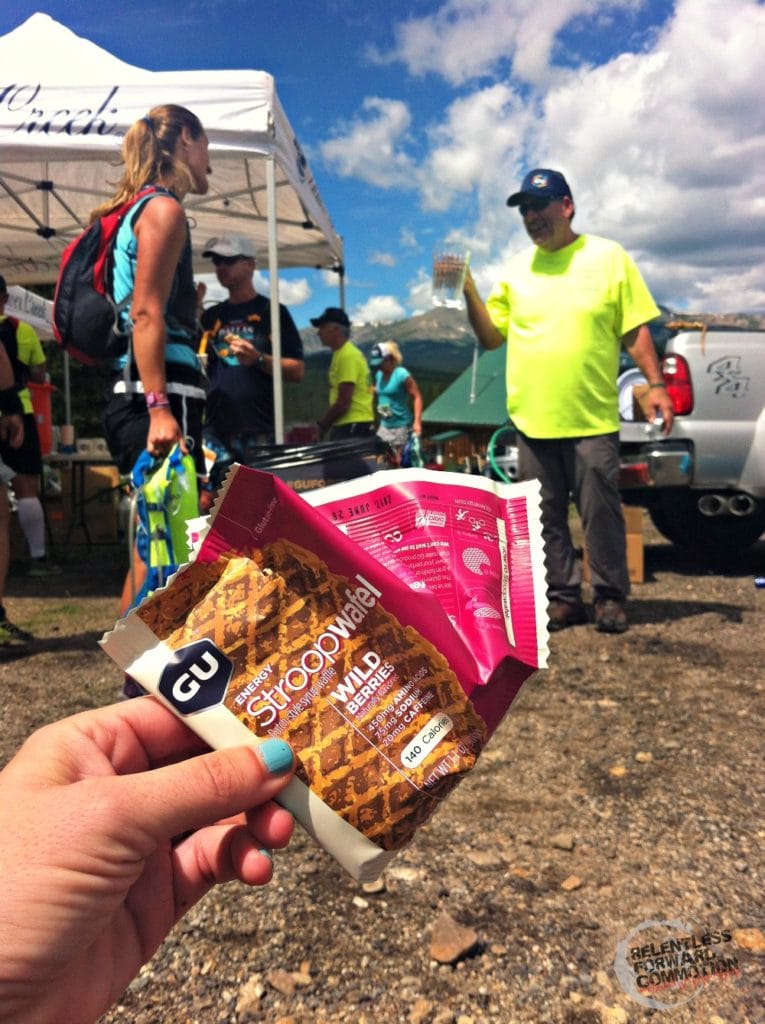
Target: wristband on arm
157,400
10,403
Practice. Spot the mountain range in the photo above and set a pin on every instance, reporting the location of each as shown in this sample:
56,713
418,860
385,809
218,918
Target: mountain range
443,339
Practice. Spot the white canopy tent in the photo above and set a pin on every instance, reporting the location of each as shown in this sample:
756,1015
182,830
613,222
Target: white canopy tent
32,308
65,105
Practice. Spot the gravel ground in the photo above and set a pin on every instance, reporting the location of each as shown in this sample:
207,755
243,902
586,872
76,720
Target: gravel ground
625,787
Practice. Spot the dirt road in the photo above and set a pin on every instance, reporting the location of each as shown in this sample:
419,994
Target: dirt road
625,787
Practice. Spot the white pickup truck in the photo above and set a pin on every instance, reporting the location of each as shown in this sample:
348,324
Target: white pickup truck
704,484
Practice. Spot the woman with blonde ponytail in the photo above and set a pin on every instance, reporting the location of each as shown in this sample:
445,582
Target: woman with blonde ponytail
155,395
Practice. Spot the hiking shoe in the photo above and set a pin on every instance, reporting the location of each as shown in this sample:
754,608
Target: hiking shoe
13,636
43,567
610,616
563,614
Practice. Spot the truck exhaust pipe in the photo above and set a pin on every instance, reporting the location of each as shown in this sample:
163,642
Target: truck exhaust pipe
741,505
713,505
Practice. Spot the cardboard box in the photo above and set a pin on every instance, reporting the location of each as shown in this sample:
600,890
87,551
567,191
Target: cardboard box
633,522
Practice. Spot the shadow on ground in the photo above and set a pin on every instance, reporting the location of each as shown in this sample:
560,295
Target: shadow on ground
668,558
97,572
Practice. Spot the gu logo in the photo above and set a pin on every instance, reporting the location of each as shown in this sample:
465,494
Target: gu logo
196,678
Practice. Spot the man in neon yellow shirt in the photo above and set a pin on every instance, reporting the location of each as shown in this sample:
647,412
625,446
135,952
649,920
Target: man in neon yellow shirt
27,358
351,394
565,307
12,432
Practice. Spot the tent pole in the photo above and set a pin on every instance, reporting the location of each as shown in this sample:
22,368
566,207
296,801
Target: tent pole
474,373
67,391
273,274
341,287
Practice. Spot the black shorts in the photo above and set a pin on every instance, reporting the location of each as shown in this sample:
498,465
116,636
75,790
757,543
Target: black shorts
27,459
351,430
126,427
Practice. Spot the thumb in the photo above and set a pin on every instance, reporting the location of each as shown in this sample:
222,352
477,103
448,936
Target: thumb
188,795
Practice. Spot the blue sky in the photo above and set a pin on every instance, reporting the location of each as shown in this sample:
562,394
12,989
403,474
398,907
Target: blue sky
420,117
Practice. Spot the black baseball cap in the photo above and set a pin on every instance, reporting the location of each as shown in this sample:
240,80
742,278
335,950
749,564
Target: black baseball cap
541,183
332,315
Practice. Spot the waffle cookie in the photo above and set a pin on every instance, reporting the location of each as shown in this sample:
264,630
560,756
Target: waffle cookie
380,725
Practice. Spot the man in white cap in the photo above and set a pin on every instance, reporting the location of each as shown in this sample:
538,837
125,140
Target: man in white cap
240,362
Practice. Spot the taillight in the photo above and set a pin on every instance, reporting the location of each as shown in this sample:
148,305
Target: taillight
678,380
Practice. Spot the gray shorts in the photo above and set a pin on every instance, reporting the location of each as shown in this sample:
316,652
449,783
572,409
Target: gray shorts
396,437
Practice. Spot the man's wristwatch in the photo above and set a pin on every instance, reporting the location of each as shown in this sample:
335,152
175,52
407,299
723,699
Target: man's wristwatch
657,384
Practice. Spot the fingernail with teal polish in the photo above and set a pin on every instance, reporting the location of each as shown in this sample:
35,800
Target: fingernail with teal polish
277,756
266,853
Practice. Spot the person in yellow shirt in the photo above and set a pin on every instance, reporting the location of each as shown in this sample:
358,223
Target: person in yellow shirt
12,434
351,393
564,307
27,358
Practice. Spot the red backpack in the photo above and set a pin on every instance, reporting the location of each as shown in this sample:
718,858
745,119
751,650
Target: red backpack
85,315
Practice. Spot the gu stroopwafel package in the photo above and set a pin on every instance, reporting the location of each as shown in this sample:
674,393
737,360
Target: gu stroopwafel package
331,627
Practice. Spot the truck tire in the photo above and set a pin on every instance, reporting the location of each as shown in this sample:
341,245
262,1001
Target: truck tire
678,518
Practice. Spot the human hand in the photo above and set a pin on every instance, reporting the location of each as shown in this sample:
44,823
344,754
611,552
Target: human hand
245,352
661,408
164,433
92,877
12,430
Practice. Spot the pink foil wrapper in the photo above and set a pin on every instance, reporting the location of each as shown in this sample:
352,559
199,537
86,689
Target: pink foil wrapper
473,544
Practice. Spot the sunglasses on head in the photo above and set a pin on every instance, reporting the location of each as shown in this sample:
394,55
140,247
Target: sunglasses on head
225,261
533,206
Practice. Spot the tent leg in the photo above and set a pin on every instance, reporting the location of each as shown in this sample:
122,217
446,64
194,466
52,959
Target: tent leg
273,274
474,373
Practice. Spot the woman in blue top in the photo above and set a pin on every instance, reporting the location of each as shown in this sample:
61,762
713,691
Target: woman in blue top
155,396
399,402
159,400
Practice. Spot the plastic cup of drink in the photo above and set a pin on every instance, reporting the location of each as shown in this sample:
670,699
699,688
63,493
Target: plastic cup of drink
450,267
66,438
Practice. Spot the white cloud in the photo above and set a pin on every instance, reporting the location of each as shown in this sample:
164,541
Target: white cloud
420,293
329,278
471,148
370,147
292,292
382,259
468,39
407,239
378,309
